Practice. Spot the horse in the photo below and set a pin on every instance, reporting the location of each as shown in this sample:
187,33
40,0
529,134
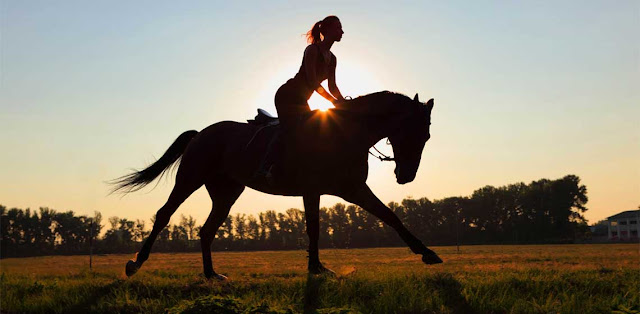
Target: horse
332,160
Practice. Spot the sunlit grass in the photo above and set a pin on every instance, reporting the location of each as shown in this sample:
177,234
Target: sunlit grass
537,278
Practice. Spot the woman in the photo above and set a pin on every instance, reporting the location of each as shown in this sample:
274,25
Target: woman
318,64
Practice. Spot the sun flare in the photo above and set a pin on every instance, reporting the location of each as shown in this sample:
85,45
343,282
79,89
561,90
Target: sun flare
318,102
353,81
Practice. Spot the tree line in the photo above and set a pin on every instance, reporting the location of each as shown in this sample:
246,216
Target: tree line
543,211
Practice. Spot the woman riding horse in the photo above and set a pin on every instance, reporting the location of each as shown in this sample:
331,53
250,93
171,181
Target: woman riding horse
218,156
318,64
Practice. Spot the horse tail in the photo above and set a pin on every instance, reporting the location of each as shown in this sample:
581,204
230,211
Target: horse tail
140,178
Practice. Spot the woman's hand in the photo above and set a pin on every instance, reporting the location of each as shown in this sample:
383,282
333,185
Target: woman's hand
339,101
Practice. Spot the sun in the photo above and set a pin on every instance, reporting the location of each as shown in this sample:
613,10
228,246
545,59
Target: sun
353,80
318,102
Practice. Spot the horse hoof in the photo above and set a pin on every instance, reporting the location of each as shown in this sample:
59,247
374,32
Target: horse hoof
321,270
217,277
131,268
431,258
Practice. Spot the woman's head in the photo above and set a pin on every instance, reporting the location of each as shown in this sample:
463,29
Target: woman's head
330,28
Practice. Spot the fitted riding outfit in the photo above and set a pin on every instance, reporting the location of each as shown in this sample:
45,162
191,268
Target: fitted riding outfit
291,104
291,98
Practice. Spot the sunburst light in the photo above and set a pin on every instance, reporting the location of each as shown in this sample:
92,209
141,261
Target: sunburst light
352,79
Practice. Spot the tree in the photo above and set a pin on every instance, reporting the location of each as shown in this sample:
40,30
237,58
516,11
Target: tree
272,230
71,232
127,231
240,227
339,226
224,235
263,227
179,234
139,232
119,238
253,231
189,225
97,223
297,229
542,211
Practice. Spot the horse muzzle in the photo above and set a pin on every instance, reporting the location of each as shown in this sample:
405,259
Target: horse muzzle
402,179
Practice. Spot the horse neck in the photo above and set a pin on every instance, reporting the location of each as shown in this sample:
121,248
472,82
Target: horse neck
385,113
382,127
376,104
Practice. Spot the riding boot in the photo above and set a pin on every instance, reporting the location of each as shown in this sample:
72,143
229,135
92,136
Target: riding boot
271,156
270,177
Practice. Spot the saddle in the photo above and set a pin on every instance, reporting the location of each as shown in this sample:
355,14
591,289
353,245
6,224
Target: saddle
268,141
264,118
269,127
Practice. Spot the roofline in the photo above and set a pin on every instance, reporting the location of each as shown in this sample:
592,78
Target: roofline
626,214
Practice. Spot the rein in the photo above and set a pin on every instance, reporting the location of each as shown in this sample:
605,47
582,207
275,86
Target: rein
383,157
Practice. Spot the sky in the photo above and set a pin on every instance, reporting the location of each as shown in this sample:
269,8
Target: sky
523,90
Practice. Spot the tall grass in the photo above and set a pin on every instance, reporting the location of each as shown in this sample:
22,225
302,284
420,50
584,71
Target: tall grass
480,279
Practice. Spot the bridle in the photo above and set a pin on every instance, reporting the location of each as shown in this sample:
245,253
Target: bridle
382,156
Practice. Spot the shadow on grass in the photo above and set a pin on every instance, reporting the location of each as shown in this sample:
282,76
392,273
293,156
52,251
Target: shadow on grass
89,299
311,292
444,285
312,295
447,287
451,291
124,296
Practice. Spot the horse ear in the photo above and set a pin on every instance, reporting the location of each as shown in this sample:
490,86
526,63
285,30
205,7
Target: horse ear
429,104
415,98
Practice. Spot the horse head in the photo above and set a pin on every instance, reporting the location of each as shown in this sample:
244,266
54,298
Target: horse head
409,139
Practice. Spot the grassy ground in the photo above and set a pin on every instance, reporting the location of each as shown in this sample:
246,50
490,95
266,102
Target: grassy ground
479,279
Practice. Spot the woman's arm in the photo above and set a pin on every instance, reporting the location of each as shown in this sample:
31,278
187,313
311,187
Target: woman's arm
310,56
333,88
323,92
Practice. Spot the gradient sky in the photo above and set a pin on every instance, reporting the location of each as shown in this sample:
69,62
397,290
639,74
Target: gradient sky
540,89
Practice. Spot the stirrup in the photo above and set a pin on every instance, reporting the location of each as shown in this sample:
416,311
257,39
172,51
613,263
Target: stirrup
269,176
266,174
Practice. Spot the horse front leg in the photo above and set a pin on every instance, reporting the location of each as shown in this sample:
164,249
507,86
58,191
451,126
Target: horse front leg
363,197
312,217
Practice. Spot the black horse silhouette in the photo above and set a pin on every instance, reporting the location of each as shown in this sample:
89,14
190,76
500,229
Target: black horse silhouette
331,159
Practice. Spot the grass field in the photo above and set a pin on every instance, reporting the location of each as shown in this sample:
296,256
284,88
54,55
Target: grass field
479,279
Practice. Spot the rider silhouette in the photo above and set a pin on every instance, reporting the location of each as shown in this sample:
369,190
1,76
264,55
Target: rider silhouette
318,64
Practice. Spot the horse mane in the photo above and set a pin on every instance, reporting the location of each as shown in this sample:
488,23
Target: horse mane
378,103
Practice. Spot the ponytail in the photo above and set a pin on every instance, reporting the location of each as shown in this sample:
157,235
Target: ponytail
313,35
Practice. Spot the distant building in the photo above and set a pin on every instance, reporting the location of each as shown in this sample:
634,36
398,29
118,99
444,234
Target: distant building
600,230
624,226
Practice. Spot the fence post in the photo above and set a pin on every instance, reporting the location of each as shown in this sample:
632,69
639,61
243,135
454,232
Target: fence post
91,245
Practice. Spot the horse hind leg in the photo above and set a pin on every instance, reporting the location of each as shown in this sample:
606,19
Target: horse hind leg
223,193
187,182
